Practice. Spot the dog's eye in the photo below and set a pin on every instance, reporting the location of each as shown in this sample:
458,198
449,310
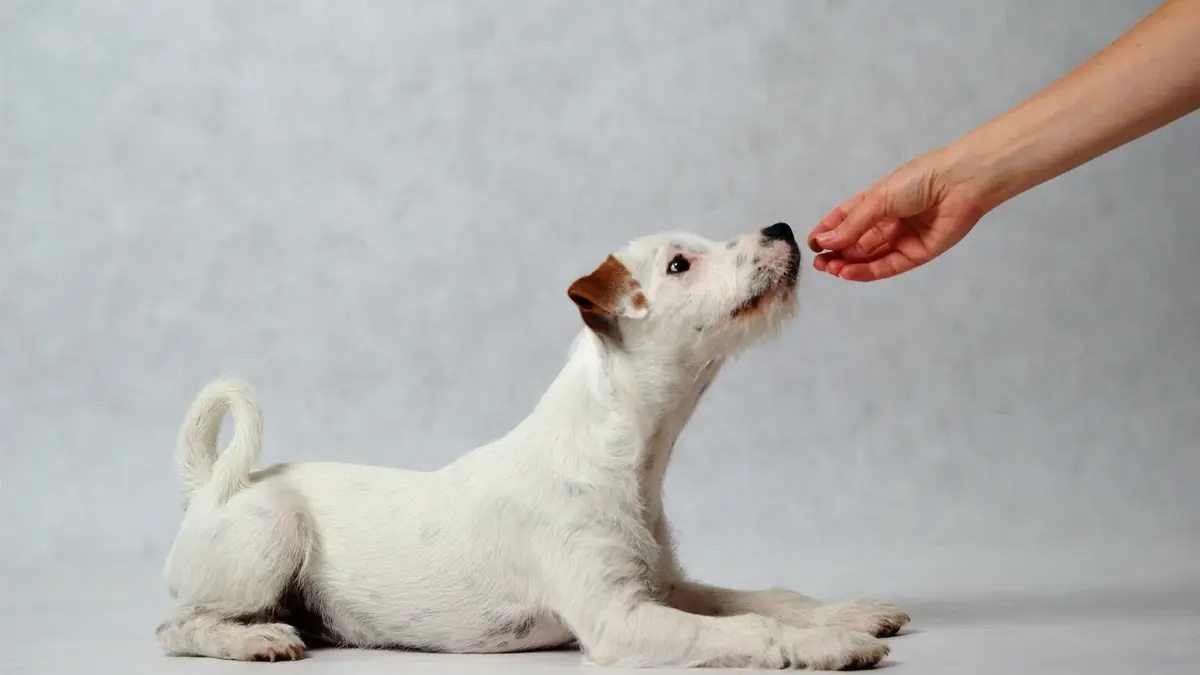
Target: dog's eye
678,265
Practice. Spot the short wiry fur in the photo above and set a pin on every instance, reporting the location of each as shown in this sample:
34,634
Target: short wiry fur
551,535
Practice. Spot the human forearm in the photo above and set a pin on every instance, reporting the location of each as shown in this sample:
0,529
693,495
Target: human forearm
1147,78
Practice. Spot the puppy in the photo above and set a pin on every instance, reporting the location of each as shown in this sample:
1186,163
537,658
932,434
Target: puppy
552,535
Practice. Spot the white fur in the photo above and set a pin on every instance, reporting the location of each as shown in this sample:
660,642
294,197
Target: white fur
551,535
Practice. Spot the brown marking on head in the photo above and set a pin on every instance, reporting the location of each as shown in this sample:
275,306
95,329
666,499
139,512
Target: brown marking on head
602,291
639,300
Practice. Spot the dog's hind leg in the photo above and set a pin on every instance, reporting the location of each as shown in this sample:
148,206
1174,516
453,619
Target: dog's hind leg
201,632
229,575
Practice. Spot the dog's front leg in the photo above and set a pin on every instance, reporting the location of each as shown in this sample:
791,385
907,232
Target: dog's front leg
612,612
789,607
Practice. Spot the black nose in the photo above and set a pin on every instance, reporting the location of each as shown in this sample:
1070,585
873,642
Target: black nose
779,231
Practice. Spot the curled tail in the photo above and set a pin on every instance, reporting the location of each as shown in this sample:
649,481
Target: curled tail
196,452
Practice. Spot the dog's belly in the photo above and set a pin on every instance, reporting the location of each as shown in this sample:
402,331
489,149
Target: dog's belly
534,632
440,629
399,562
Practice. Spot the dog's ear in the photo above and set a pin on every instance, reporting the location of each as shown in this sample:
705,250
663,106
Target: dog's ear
608,293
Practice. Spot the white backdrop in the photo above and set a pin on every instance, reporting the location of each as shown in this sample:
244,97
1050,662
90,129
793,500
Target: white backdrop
372,212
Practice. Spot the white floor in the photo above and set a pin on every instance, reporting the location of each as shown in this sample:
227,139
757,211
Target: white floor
1133,612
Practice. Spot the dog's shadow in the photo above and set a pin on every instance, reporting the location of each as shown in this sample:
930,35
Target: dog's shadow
1010,608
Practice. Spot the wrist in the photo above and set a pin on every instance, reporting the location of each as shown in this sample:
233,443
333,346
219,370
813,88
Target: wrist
976,171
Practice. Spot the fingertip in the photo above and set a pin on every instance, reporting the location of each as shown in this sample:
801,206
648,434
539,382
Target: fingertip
826,235
873,270
877,270
851,273
826,240
832,239
827,224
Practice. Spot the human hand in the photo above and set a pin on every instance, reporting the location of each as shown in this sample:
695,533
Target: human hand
902,221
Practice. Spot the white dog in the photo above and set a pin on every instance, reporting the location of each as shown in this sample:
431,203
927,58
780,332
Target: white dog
552,535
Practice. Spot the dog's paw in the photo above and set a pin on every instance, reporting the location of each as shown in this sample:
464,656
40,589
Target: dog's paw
877,619
831,648
266,642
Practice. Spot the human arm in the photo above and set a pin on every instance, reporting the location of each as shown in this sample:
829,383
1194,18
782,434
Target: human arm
1146,79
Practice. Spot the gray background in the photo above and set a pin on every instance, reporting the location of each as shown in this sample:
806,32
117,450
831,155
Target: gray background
372,211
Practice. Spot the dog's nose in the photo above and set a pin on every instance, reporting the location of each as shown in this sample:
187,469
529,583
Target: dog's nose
779,232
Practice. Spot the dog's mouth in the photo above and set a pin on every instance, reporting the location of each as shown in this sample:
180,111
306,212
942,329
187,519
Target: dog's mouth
756,301
780,288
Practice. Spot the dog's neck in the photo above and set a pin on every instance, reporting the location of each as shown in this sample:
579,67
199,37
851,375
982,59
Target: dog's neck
625,410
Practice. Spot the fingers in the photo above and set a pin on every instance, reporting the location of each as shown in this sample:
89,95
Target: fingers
881,268
874,242
844,226
831,221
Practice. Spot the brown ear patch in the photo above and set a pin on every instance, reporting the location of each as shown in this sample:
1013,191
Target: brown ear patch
602,291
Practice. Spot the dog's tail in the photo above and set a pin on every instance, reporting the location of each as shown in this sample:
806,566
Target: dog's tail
196,452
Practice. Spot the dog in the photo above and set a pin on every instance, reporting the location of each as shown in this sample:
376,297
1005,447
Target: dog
552,536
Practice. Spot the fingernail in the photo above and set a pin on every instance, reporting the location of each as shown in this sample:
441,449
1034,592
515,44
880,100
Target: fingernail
826,237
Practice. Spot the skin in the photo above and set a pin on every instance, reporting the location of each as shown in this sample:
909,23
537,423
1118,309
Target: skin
1146,79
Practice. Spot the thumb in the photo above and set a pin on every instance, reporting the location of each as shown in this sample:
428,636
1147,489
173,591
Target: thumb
859,218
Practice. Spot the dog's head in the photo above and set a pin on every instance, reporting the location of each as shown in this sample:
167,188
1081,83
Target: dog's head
680,296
